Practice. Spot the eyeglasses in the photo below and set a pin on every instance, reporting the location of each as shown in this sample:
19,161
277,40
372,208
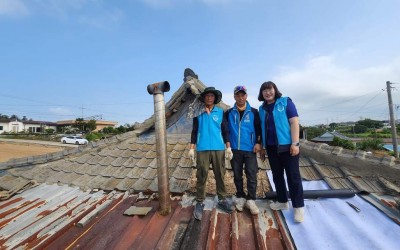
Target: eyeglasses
239,88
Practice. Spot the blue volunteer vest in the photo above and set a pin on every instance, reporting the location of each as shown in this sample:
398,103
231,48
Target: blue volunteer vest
209,135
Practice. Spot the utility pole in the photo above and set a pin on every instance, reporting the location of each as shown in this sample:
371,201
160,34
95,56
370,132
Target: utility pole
392,120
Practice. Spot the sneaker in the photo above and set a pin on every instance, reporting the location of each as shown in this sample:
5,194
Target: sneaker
279,205
298,214
225,206
198,210
240,204
251,205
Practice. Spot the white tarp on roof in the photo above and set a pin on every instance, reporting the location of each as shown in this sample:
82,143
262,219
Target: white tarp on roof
331,223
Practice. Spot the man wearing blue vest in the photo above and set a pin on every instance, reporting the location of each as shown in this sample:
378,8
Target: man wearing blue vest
245,139
210,137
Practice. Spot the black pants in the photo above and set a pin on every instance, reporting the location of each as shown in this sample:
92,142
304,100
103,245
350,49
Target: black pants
250,167
281,163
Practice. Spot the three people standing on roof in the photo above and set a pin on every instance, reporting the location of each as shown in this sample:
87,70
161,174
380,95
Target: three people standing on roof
275,126
210,136
280,139
245,138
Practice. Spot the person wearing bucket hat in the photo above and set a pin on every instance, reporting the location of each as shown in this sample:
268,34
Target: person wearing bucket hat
210,137
245,138
217,94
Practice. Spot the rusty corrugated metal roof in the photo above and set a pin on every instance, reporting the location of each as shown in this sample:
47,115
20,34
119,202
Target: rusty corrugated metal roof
48,216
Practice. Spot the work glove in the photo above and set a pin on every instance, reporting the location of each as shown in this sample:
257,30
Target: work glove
228,153
191,154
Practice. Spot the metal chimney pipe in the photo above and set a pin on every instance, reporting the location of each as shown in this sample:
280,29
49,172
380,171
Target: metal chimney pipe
157,90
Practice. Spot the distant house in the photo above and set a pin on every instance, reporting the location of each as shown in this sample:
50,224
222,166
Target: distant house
328,137
100,124
17,125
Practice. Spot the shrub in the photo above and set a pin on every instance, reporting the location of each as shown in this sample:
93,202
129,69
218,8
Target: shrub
370,144
347,144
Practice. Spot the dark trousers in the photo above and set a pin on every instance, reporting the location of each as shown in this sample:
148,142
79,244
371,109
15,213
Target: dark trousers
250,167
281,163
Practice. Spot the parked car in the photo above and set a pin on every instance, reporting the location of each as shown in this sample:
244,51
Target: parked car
74,140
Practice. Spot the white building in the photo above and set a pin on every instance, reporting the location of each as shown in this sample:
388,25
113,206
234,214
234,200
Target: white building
16,126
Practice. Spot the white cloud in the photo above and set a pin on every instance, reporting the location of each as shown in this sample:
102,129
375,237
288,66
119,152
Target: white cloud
13,8
325,91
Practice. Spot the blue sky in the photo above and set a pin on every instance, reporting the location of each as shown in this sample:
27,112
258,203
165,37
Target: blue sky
61,59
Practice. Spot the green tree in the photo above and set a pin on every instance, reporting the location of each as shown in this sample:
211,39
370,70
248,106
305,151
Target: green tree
370,144
347,144
121,129
370,123
91,125
49,131
80,124
108,130
313,132
359,129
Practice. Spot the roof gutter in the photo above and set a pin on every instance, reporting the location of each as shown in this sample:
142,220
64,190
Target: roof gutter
157,90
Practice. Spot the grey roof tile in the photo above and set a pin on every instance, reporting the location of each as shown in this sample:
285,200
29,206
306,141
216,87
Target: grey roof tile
149,173
135,173
95,170
110,184
135,147
130,163
97,182
125,184
151,154
81,168
178,185
121,172
95,160
148,147
309,173
363,184
82,181
182,173
122,146
181,146
105,152
304,162
8,182
173,163
39,174
328,171
83,158
184,163
153,163
116,152
108,171
118,162
141,185
106,161
176,154
144,163
339,183
68,178
69,167
129,153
